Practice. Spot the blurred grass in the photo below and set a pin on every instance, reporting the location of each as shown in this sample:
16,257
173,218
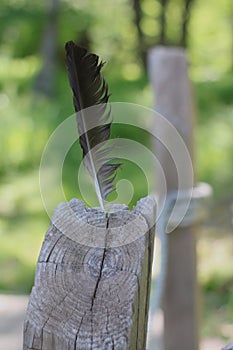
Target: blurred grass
26,123
216,278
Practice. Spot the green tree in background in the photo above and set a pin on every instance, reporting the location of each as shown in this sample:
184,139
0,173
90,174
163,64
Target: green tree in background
162,22
135,26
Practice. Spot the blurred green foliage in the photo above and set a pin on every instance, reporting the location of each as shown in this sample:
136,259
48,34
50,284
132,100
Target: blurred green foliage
27,120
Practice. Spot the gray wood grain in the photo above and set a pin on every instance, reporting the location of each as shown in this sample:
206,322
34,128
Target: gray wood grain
86,297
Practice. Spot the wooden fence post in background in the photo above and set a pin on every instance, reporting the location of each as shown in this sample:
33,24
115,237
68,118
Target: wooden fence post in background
168,71
92,284
228,346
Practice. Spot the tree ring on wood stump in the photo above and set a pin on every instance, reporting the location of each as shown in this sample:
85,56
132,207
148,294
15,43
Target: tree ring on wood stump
109,263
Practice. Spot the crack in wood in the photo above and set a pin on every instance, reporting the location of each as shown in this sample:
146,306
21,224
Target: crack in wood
101,267
80,325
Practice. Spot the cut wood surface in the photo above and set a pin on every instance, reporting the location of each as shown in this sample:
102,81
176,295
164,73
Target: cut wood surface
90,297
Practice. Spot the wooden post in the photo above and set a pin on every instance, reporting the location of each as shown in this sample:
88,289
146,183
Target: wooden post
169,75
92,282
228,346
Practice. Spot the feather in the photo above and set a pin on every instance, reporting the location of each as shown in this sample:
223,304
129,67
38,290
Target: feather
94,124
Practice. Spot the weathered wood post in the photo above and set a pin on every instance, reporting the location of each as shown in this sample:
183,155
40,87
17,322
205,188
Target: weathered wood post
92,282
168,69
228,346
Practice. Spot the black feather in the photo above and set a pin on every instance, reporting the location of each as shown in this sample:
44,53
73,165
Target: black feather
90,89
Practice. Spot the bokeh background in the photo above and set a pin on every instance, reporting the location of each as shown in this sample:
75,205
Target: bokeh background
35,98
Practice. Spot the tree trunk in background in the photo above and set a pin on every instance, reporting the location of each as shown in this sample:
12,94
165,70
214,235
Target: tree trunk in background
84,40
142,51
162,19
45,81
185,22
